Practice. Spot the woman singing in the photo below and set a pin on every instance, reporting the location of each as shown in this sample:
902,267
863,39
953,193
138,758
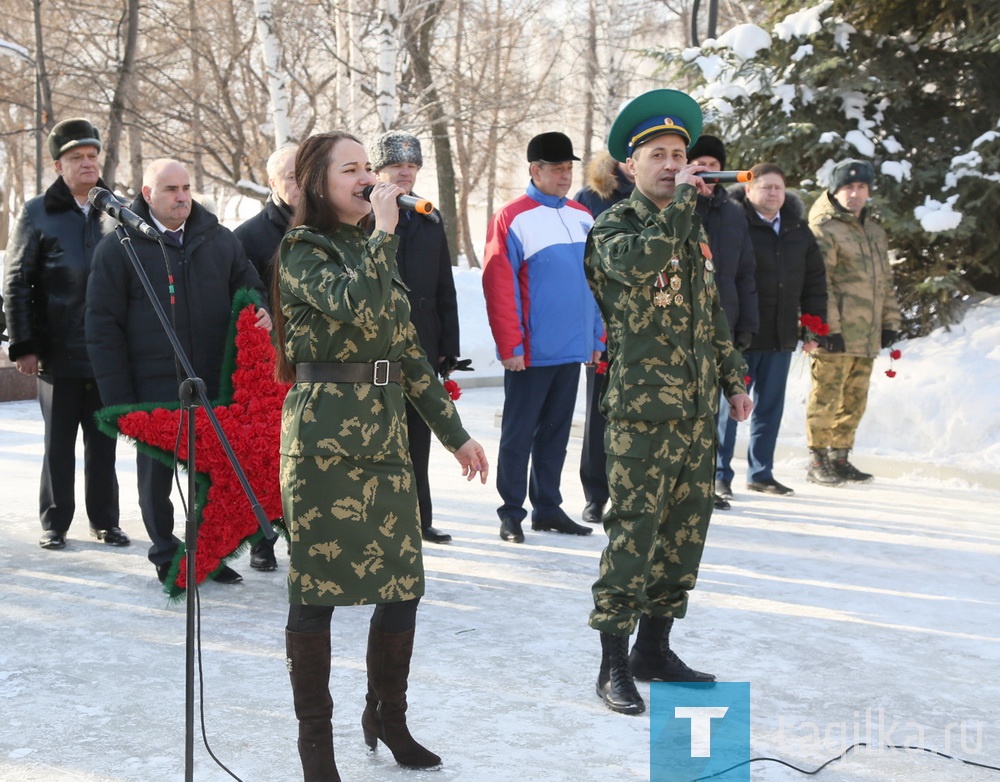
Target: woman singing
348,494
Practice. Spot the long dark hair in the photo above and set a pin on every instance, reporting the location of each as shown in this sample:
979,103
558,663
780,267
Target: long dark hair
314,210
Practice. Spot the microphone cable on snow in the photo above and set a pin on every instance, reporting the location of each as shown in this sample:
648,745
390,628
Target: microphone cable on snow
844,754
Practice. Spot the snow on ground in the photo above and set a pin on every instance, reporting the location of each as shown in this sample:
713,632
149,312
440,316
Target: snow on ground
848,610
867,612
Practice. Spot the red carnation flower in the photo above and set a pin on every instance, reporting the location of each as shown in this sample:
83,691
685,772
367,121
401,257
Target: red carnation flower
602,368
895,354
453,389
746,380
890,373
814,326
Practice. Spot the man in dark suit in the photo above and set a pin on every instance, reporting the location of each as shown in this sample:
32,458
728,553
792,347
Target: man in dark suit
425,266
260,237
196,270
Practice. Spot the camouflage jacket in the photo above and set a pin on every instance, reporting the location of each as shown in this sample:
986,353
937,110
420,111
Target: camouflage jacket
861,299
664,362
344,301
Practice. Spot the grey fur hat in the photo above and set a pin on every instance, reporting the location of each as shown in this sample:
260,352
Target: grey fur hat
72,133
394,147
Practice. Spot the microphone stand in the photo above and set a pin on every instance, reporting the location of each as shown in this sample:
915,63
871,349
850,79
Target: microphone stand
192,395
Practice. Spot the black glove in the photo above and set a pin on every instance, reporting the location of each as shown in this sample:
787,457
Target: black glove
453,364
832,343
743,340
889,337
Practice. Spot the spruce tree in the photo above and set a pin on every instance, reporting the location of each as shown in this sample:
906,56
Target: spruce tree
913,86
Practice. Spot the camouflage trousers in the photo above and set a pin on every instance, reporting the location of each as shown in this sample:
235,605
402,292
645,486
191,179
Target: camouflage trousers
660,480
837,399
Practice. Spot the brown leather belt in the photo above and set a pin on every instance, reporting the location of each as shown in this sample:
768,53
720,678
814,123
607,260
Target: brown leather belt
379,373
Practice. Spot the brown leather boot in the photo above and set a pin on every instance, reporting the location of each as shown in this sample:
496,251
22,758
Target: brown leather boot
385,708
308,660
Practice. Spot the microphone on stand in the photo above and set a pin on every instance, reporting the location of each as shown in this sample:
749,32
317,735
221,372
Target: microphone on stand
714,177
414,204
105,200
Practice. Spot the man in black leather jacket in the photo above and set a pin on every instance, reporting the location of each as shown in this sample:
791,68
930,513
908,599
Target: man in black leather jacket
47,268
425,267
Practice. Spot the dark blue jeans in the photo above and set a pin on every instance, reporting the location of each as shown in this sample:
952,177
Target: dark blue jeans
768,376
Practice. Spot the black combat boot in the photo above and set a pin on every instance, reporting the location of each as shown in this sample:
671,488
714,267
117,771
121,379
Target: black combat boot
652,659
846,470
821,470
614,681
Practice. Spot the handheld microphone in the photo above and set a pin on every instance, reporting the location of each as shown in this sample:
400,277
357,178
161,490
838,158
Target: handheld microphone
714,177
414,204
105,201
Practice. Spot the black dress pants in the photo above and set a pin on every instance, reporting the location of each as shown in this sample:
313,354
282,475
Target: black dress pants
155,480
68,404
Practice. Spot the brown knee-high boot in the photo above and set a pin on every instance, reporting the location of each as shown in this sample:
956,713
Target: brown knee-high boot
308,659
385,708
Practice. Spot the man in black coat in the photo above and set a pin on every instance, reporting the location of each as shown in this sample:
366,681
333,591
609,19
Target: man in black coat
48,263
132,357
425,267
608,182
732,254
261,234
791,282
260,237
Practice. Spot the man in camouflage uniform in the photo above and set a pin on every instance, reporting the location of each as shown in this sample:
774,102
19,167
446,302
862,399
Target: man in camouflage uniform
863,316
649,265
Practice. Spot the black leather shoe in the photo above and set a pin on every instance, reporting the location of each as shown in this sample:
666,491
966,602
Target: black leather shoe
227,576
721,503
113,536
560,523
52,540
593,513
432,535
262,556
162,571
510,529
770,486
723,488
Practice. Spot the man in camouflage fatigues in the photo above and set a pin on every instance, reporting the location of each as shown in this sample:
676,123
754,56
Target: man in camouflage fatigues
649,265
863,317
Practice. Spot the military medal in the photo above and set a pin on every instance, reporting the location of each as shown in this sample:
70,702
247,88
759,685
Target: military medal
678,300
709,266
675,264
675,283
661,298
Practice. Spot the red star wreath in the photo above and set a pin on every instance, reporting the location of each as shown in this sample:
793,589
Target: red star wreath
249,411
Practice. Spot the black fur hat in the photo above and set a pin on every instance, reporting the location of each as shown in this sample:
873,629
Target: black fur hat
72,133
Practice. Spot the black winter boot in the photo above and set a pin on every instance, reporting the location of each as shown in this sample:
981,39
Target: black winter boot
308,660
614,681
262,555
384,716
821,470
652,659
846,470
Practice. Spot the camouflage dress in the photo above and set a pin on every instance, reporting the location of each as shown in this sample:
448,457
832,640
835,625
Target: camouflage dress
669,352
348,492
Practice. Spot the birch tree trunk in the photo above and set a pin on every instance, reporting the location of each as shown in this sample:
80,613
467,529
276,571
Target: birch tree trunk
388,54
277,79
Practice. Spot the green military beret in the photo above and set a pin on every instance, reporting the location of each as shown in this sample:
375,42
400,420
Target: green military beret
652,114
